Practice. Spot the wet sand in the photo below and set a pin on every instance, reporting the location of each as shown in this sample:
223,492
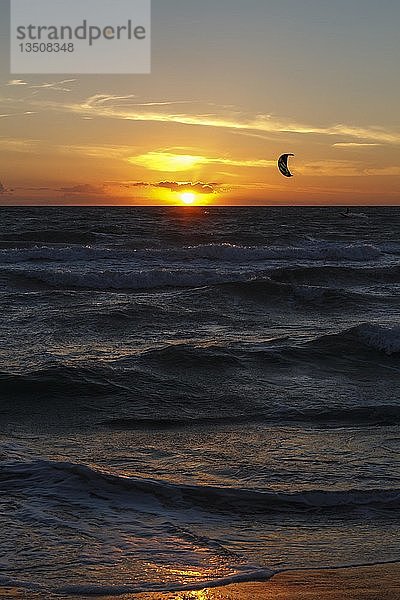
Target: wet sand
381,582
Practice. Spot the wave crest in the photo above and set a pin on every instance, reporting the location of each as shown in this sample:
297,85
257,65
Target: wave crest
135,280
142,492
314,251
382,338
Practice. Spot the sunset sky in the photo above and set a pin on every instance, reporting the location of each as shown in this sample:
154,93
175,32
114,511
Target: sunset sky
234,84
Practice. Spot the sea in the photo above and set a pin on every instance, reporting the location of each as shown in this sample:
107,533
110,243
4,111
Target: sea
192,396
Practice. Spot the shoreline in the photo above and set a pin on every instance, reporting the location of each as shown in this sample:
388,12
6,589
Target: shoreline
380,581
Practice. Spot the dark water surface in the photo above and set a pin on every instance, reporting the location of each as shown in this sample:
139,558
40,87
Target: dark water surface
196,394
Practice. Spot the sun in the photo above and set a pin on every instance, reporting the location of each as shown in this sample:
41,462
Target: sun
188,197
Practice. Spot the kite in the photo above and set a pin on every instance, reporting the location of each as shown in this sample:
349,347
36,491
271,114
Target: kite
283,165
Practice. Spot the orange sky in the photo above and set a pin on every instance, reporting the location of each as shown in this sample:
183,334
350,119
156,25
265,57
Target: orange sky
215,114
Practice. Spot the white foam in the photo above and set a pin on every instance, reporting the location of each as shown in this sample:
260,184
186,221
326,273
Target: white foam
119,590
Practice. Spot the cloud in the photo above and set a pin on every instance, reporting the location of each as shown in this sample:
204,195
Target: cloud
338,168
106,151
166,161
13,82
83,189
354,145
197,187
388,171
26,113
128,184
4,190
17,145
43,147
125,108
57,86
103,99
171,162
330,168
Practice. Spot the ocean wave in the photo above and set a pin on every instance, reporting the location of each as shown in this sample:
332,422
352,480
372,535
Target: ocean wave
266,289
142,493
257,286
63,381
382,338
315,251
133,280
180,422
244,574
336,275
335,416
157,372
386,339
391,247
318,250
191,356
152,381
59,254
51,236
248,575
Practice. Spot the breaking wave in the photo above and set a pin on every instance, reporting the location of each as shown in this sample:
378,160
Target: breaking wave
140,493
382,338
315,251
318,250
258,286
266,288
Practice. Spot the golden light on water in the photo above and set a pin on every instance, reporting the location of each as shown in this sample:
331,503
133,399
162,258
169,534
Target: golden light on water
195,595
